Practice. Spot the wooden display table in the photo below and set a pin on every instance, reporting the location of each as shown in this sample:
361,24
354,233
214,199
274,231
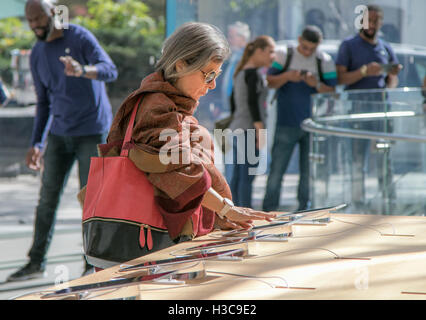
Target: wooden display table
351,257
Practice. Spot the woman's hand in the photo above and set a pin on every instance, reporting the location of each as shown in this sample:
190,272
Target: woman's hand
247,215
235,217
226,224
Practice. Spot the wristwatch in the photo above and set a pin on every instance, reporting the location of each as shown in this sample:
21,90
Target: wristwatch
363,70
228,205
83,71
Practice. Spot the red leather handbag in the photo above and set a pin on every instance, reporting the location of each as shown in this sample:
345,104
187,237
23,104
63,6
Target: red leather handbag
121,220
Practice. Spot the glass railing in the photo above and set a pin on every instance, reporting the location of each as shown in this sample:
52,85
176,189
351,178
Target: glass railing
368,150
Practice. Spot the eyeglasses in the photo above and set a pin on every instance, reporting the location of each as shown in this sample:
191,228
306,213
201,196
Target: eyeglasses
210,76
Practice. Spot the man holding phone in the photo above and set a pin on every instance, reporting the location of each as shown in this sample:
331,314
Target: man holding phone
73,116
296,73
365,61
361,58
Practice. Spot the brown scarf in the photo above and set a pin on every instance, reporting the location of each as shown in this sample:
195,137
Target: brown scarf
181,184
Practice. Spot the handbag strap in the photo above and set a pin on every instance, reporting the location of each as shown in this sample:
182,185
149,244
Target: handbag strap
125,147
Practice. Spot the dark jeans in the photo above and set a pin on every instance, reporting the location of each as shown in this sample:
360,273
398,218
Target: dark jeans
59,157
285,140
242,181
229,169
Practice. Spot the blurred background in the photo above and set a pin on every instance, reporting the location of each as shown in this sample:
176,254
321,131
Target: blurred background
132,31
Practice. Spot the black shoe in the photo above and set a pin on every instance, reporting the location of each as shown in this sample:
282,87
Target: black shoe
28,272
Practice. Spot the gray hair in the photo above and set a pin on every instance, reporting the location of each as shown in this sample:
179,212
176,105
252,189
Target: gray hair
196,44
242,29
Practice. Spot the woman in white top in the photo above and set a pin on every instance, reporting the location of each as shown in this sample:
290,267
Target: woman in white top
249,115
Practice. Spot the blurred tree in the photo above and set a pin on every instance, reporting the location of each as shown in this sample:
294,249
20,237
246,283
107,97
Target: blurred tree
13,34
157,7
131,37
76,7
126,29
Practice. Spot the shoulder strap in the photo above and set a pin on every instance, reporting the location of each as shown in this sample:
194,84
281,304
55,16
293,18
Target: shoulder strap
285,68
288,58
128,136
319,68
232,102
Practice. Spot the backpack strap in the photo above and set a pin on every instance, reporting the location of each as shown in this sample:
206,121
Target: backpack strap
232,102
319,68
288,58
287,62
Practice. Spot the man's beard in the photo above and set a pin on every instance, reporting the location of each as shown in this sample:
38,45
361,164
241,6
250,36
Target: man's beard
368,35
47,31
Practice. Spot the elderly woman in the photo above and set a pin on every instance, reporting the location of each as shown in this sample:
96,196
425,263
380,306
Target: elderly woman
192,195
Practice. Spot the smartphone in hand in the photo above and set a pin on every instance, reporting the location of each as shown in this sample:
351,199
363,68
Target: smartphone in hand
389,66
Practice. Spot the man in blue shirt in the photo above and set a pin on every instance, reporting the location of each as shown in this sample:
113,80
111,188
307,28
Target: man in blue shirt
69,69
308,71
360,64
360,58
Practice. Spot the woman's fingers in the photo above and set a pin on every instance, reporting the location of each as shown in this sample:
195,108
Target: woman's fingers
226,224
244,225
261,215
245,214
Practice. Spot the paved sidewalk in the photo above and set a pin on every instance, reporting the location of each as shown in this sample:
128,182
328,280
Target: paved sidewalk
18,199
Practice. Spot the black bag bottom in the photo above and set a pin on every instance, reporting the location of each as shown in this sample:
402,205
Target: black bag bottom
107,243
